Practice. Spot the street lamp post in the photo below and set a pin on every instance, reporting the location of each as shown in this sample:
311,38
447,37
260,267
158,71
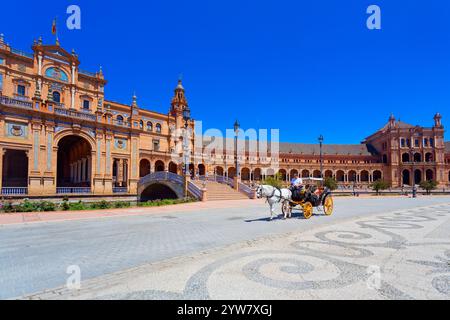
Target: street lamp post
186,118
236,162
413,174
321,160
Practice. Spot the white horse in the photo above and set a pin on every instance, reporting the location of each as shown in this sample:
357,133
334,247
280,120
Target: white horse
273,195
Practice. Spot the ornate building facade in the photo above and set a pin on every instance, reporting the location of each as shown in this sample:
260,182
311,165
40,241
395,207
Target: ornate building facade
60,135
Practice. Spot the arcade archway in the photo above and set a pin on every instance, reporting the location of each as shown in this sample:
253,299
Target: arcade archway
74,167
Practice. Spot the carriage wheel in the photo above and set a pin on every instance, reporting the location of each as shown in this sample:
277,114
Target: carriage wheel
307,210
328,206
286,208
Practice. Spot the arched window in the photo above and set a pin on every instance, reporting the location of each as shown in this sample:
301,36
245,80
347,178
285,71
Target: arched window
405,157
149,126
56,96
141,124
158,128
119,119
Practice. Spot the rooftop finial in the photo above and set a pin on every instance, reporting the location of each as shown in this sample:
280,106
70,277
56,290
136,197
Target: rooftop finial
2,38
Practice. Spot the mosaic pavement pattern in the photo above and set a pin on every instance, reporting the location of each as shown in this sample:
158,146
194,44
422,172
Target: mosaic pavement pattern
403,254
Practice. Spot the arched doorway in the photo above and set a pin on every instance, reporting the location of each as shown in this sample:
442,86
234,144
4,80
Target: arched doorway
158,191
352,176
364,175
317,174
405,157
173,167
219,171
74,167
293,173
328,174
405,177
305,174
417,176
201,169
15,170
428,157
144,168
429,175
377,175
159,166
257,174
231,172
340,176
283,174
417,157
245,174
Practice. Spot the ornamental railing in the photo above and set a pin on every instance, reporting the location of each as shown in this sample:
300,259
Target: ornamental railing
16,102
22,53
245,189
73,190
14,190
75,114
162,175
194,190
120,189
87,73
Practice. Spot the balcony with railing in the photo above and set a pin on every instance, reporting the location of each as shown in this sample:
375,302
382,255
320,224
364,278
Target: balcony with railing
13,191
75,114
73,190
23,102
87,73
120,190
22,53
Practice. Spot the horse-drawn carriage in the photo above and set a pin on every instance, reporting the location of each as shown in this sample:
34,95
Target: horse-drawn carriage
307,197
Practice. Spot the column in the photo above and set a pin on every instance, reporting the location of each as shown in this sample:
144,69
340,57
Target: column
2,152
89,170
120,172
83,170
79,164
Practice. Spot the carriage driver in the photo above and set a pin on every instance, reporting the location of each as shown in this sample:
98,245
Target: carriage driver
296,181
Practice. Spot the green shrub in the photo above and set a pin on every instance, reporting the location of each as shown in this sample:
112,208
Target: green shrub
100,205
8,207
274,181
379,185
65,205
121,204
428,185
46,206
163,202
73,206
330,183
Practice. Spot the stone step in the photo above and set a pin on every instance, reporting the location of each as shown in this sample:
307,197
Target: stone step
220,191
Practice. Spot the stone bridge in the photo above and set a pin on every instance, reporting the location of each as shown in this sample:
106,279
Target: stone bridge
166,185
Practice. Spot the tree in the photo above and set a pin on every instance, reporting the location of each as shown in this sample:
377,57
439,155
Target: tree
330,183
379,185
274,181
428,185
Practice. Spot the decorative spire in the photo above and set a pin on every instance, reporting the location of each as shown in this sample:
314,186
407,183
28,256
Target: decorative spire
179,101
100,72
437,120
40,40
134,103
2,38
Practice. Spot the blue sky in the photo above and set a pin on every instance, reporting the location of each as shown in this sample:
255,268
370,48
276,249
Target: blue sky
305,67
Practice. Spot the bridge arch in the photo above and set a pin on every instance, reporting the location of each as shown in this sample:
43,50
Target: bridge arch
164,185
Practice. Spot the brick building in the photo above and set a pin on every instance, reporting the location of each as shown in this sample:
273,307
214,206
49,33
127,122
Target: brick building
59,134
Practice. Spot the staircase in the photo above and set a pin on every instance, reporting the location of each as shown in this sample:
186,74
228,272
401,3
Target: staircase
220,191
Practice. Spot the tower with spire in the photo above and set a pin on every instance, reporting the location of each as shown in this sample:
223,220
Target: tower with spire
179,102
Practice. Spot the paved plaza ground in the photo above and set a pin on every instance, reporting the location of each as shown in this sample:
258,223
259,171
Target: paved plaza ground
370,248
